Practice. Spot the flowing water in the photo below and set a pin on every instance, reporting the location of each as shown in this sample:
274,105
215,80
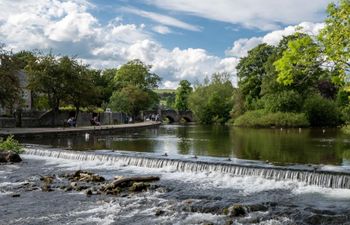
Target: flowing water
279,177
302,146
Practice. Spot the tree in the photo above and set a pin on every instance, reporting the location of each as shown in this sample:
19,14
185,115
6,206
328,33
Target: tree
9,82
251,70
62,79
334,37
45,77
212,102
299,65
182,93
104,82
134,84
78,84
130,100
138,74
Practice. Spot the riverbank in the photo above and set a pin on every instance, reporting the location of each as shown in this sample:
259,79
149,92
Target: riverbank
66,131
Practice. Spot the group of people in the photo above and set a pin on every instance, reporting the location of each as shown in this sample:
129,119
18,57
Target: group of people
72,122
153,117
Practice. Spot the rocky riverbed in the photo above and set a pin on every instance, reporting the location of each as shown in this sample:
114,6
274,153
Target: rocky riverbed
43,190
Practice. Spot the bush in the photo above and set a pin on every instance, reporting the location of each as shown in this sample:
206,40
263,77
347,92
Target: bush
261,118
321,111
11,145
284,101
345,114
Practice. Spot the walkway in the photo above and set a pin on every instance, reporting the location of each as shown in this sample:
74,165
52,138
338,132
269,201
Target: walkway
64,131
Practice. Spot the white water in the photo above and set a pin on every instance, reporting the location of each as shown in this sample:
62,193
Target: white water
328,179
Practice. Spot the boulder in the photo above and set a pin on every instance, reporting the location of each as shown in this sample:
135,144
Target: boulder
9,157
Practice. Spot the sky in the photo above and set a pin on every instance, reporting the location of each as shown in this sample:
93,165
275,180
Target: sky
181,39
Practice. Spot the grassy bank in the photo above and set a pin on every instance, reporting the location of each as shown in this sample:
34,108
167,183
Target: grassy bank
260,118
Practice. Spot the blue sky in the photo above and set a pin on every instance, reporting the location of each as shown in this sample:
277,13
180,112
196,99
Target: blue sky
181,39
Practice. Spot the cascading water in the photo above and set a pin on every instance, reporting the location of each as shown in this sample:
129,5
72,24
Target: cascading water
310,176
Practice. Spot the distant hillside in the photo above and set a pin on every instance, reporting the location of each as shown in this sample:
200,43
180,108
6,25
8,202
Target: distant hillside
162,91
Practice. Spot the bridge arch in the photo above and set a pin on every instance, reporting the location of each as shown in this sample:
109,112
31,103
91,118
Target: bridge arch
170,118
186,118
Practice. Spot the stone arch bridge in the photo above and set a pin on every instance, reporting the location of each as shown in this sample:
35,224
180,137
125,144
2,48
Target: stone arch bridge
172,115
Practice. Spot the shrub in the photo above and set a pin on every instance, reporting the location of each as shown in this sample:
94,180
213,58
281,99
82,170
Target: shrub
284,101
260,118
321,111
11,145
345,114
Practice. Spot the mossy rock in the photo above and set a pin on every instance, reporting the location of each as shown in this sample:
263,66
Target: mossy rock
139,186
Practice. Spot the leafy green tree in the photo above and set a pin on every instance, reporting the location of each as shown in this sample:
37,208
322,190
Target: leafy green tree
212,101
251,70
134,84
9,82
334,37
62,79
45,77
182,93
131,100
104,81
300,65
138,74
79,84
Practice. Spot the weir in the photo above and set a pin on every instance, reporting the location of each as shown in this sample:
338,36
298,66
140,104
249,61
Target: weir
311,176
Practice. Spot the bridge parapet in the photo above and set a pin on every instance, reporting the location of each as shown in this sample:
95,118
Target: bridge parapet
172,115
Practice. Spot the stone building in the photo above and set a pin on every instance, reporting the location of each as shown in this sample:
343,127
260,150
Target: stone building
26,103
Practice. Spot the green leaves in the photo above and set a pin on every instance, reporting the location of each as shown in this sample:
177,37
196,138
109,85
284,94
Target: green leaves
212,102
11,145
182,94
134,83
335,37
9,82
299,62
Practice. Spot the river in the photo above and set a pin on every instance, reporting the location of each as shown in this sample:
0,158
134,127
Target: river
279,177
277,146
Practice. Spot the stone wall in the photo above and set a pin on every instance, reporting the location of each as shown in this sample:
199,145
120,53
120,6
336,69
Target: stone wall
39,119
7,122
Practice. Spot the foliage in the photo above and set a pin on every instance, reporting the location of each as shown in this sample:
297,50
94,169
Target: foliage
251,70
132,100
284,101
62,79
299,66
134,88
138,74
9,82
166,97
79,83
212,102
345,114
182,94
104,84
335,36
11,144
45,77
321,111
261,118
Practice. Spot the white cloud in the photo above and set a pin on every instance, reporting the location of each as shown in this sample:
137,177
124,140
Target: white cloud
261,14
68,27
162,29
162,19
241,47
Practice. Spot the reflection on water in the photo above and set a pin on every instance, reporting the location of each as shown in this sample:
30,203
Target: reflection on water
274,145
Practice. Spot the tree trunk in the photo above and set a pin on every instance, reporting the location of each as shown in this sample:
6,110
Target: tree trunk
77,109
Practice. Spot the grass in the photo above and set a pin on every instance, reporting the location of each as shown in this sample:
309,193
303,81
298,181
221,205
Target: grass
260,118
10,144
